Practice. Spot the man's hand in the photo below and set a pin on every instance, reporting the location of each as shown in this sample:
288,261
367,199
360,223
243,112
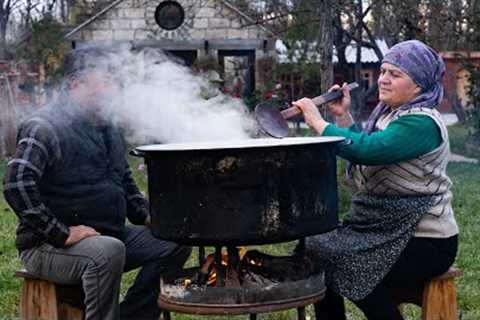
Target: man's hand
78,233
148,221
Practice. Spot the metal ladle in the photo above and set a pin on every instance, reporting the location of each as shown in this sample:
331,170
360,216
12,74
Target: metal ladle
274,122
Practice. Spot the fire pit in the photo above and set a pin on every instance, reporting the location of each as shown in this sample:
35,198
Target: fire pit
251,192
255,283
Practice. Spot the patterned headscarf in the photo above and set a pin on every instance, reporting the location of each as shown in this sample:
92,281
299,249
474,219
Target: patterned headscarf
424,66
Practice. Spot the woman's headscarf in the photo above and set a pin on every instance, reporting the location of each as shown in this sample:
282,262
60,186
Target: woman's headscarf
424,66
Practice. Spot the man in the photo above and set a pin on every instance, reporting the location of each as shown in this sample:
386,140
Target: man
71,187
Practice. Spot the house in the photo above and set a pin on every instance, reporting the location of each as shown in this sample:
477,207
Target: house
370,65
190,30
456,80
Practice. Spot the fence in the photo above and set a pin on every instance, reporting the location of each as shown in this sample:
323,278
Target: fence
7,115
17,94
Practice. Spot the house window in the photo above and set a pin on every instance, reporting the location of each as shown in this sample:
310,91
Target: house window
367,78
169,15
238,71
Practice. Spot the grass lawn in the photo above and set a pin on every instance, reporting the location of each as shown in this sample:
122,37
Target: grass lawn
458,134
466,178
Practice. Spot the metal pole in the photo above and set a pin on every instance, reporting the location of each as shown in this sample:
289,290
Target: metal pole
301,313
218,264
201,255
301,247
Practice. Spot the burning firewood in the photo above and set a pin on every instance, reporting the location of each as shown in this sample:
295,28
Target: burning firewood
284,268
251,268
202,275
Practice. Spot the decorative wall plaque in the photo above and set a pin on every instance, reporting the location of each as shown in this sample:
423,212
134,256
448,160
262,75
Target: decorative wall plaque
169,15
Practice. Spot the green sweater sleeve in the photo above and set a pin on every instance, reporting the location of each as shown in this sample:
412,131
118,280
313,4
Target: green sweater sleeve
405,138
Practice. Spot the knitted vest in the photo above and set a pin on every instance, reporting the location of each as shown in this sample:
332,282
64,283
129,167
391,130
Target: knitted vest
424,175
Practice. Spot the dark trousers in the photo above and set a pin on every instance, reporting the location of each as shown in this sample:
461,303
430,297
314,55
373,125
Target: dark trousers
154,256
422,259
98,262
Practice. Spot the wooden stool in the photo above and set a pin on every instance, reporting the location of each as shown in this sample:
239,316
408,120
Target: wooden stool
438,297
45,300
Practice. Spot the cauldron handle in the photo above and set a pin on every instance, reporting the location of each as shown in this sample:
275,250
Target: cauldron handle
136,153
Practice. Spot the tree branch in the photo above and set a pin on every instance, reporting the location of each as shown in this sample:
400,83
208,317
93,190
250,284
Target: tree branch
366,12
276,17
375,47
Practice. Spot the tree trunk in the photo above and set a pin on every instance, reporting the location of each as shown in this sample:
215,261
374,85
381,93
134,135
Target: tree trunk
358,99
341,44
457,108
3,39
326,14
63,11
325,42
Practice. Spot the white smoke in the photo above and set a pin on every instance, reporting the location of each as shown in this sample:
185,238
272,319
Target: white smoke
161,101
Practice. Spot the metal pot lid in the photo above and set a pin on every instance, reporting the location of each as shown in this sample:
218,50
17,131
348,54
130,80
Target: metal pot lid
237,144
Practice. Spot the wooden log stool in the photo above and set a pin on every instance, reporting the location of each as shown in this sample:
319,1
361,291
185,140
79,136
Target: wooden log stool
437,298
44,300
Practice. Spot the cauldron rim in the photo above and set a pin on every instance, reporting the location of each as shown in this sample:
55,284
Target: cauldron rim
237,144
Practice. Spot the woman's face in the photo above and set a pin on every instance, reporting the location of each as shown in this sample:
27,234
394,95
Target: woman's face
395,87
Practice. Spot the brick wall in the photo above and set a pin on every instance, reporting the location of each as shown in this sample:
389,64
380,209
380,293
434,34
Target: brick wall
454,81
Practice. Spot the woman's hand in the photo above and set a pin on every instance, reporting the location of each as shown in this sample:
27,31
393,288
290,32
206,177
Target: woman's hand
340,107
311,114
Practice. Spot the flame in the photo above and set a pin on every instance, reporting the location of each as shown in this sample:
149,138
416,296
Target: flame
210,265
255,263
212,278
241,252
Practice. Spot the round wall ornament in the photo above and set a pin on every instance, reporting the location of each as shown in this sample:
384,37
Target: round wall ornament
169,15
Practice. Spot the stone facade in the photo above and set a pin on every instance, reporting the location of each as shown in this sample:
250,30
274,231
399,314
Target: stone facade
134,20
209,27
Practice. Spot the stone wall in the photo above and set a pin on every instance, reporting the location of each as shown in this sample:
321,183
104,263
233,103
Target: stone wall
133,20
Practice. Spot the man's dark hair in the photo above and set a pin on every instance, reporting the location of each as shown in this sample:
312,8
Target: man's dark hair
82,59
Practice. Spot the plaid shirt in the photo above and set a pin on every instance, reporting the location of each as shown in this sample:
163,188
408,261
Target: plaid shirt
37,150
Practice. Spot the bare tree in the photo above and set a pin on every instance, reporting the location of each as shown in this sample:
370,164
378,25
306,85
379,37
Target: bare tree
6,9
398,20
443,24
27,13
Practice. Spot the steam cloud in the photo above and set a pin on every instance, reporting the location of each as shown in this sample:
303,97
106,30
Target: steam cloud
161,101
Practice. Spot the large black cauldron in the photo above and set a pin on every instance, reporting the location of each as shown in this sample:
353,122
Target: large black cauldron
244,192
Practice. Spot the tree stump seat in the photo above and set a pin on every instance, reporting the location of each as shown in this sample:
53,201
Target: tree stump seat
44,300
437,297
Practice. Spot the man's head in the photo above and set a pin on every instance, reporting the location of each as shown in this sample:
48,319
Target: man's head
89,76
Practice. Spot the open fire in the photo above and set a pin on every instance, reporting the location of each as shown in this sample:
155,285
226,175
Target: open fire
233,280
248,268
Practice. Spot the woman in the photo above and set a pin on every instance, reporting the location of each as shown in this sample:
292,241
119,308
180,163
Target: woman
401,228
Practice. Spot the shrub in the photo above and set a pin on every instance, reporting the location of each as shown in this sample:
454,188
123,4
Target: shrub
472,120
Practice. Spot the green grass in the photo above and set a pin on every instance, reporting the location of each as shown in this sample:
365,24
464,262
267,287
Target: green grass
466,178
458,134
